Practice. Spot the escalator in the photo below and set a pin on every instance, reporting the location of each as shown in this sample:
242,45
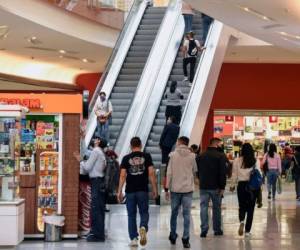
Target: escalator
124,89
152,145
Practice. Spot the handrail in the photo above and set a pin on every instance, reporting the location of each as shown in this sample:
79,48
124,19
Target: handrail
158,90
147,80
114,66
132,11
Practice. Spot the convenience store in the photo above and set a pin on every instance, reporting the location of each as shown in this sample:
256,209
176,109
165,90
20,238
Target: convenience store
49,135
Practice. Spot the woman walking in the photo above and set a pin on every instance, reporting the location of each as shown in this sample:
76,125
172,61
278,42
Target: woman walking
273,161
242,168
174,97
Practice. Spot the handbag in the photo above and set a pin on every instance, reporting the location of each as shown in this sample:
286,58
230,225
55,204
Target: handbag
266,166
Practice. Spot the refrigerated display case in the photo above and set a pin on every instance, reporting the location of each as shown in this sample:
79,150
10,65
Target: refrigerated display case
10,204
48,174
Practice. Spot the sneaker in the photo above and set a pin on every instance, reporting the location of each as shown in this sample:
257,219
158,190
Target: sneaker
185,79
269,196
134,243
190,84
248,235
186,243
241,229
94,238
203,234
219,233
143,236
172,239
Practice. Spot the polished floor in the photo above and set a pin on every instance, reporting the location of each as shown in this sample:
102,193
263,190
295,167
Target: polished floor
276,226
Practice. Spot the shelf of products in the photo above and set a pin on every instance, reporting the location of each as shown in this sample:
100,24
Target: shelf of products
48,186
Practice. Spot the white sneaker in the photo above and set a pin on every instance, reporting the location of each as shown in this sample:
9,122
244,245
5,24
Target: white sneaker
248,235
134,243
185,79
143,236
190,84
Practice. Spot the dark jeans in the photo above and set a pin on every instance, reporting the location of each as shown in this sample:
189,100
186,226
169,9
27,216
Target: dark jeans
188,21
184,200
192,61
297,186
134,200
98,207
247,201
165,151
272,176
206,22
173,111
205,197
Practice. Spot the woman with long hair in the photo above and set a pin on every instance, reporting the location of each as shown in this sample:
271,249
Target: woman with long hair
274,169
242,168
174,97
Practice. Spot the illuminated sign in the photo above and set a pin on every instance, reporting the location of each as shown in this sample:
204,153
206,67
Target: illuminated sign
29,103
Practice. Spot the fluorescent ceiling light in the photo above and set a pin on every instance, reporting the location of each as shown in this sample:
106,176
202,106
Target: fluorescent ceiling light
255,13
62,51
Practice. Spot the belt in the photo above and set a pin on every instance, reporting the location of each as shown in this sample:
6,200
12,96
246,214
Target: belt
94,178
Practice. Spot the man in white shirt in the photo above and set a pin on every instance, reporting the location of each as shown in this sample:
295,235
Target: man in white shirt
95,168
191,47
103,112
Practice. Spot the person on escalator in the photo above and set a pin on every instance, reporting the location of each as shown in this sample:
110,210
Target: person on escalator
174,97
188,15
206,22
103,112
191,47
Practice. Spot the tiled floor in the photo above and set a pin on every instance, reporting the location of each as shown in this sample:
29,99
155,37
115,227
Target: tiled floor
276,226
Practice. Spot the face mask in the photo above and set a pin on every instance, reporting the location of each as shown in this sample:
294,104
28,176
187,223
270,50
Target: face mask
103,98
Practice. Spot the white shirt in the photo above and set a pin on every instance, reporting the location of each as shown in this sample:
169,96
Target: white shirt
103,108
239,173
95,165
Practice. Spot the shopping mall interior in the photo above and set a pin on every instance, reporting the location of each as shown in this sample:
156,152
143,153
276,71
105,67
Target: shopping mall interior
58,57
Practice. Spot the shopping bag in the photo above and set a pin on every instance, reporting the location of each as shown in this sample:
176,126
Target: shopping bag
279,185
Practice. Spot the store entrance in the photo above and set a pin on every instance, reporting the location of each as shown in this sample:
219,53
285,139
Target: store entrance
258,128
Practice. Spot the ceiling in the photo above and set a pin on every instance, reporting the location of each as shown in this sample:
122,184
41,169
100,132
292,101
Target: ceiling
274,21
24,41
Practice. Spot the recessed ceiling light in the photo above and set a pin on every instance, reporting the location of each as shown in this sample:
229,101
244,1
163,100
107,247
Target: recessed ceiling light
33,38
62,51
282,33
246,9
61,56
255,13
85,60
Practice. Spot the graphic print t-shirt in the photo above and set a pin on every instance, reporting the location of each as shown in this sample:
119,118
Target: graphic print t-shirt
136,165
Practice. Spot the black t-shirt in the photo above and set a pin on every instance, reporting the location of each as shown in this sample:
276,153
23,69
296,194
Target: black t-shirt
136,165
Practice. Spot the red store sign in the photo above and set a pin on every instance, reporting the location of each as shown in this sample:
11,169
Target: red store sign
29,103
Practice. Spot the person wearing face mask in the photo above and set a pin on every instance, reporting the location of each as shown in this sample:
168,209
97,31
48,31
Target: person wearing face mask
212,176
103,112
95,168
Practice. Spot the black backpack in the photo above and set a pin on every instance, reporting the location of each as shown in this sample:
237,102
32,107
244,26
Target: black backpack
193,49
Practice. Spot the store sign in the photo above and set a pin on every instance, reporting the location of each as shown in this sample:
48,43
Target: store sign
29,103
273,119
229,118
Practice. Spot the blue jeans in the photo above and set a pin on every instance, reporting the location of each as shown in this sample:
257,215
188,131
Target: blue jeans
272,176
178,199
98,207
188,20
206,22
103,130
205,196
134,200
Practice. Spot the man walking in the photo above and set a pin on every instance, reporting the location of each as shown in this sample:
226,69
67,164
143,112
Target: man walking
212,176
103,112
95,167
180,181
191,47
136,169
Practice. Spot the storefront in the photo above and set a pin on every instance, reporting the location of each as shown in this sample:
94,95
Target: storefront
48,172
260,128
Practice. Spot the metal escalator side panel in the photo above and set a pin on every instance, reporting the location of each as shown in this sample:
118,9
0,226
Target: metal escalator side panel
206,77
148,78
115,68
147,120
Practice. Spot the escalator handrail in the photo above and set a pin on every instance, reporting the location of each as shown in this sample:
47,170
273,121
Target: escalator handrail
110,76
122,144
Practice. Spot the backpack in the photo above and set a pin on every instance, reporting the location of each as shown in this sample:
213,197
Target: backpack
193,49
256,179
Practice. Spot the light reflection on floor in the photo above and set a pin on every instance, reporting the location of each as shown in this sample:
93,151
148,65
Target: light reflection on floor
276,226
